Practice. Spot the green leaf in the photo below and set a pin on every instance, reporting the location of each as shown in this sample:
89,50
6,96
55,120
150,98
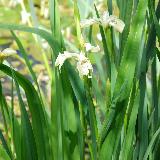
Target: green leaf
44,34
39,122
77,21
151,144
127,147
5,145
55,21
154,17
126,71
131,52
127,20
3,154
29,150
105,47
25,56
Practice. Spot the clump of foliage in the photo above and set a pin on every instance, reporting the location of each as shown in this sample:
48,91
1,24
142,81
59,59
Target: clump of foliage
111,109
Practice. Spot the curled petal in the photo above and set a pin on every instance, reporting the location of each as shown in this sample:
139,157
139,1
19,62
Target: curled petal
87,22
105,19
6,53
60,60
63,57
9,52
116,23
113,21
84,67
91,48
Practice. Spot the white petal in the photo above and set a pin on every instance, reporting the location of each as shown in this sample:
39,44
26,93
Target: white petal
104,19
46,13
99,37
9,51
87,22
14,3
6,53
88,46
105,16
25,16
45,45
81,57
84,66
60,60
116,23
91,48
63,57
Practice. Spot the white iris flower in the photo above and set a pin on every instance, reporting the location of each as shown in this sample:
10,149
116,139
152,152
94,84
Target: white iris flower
105,20
83,64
